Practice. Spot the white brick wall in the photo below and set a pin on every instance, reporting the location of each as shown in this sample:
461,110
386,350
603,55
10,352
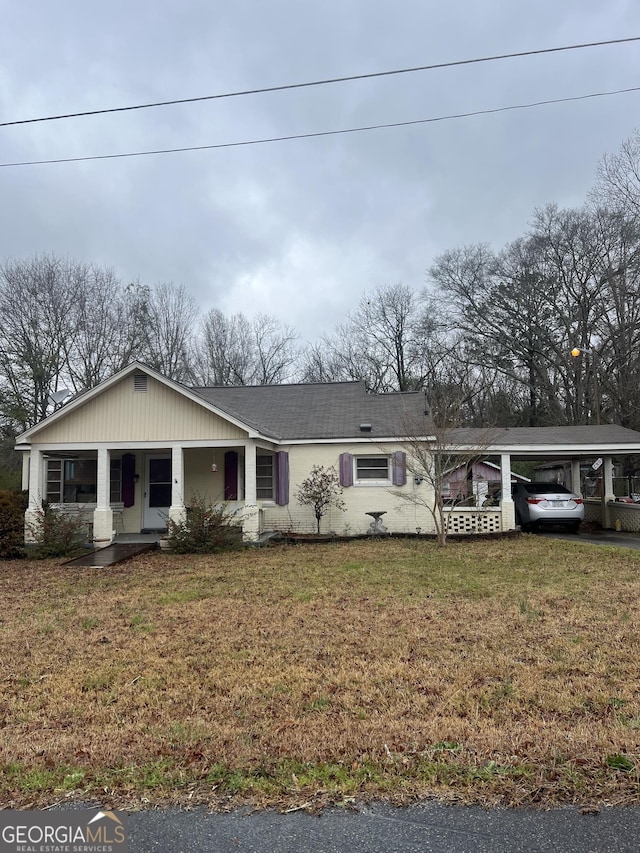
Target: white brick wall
401,516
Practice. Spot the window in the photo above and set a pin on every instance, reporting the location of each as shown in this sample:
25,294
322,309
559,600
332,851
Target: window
372,469
264,476
76,481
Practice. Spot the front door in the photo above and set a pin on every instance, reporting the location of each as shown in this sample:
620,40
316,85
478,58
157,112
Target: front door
157,495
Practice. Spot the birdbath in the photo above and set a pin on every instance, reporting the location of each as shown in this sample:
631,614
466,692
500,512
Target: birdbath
376,525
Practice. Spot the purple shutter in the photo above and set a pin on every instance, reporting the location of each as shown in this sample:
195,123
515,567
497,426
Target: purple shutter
231,475
128,473
399,463
346,469
282,477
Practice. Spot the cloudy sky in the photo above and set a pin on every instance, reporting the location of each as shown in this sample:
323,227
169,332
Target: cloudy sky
300,229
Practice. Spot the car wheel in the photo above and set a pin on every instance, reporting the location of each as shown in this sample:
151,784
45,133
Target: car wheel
575,527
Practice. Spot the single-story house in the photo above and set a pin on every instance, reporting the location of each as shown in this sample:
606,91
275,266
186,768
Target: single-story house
132,452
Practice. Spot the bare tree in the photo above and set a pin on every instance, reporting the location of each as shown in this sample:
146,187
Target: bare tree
618,184
170,318
238,351
34,304
387,342
429,458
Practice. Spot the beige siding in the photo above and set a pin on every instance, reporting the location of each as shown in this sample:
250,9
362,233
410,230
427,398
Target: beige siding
199,479
401,516
122,414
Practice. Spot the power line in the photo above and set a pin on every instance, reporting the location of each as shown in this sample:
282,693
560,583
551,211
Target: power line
325,82
317,134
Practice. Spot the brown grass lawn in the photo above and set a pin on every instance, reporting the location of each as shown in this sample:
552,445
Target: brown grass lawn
494,672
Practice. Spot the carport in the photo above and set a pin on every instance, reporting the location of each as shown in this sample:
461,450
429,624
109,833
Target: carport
601,444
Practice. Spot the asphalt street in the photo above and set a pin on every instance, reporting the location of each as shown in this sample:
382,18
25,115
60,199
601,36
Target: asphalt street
380,828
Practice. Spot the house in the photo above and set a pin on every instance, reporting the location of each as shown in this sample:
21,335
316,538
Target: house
476,481
129,454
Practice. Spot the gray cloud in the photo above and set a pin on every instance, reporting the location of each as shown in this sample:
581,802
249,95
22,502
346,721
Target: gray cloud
299,229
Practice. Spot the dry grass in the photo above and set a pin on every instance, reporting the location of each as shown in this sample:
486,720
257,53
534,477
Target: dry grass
492,672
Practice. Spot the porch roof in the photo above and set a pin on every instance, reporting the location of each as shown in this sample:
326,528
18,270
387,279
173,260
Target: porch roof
548,442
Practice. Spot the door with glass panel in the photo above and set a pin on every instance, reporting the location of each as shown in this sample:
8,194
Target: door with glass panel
157,493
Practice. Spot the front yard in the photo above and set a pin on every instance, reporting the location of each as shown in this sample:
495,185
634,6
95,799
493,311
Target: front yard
493,672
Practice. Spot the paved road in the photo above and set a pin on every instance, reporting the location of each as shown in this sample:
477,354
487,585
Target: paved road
380,828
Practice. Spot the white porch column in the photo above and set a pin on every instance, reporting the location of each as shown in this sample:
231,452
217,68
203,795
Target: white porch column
36,482
507,508
607,490
103,514
251,515
575,478
177,510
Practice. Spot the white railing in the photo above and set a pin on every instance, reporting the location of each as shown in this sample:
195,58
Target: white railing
464,520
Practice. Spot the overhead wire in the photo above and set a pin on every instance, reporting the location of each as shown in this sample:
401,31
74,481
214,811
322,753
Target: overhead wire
317,134
323,82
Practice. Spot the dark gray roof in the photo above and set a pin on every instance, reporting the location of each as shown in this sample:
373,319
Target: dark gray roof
556,436
322,410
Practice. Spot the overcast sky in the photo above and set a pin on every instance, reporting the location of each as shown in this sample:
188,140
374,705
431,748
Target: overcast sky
300,229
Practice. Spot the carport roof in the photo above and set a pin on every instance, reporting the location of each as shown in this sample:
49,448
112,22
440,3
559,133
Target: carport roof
548,441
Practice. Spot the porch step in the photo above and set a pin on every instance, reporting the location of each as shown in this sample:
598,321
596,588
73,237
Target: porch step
112,554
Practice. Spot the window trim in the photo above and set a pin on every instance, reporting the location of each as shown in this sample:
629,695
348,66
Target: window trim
372,481
58,466
271,477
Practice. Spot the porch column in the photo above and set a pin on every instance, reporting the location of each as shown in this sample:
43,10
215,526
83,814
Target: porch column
576,486
251,515
177,510
32,513
103,514
607,490
507,508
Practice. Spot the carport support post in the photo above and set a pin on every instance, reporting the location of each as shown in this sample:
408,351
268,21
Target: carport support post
103,514
507,508
607,490
177,510
576,485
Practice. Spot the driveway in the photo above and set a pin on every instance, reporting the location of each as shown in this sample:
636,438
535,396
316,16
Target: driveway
597,537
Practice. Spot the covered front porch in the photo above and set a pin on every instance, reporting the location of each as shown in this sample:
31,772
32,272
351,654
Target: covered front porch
124,490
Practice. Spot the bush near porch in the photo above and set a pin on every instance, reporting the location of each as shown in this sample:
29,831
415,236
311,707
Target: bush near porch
488,672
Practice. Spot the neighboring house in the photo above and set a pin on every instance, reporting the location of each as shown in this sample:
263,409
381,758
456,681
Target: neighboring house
132,452
478,481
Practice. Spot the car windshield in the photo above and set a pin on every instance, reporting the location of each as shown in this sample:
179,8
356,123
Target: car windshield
546,489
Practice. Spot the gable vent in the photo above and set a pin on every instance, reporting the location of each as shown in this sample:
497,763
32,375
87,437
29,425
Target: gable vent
140,381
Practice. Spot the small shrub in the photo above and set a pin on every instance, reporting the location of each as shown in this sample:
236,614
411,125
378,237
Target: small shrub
206,529
12,507
321,490
56,534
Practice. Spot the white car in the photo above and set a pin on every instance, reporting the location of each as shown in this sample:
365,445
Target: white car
539,504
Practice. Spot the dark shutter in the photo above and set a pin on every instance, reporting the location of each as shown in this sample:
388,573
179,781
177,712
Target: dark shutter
231,475
282,477
128,473
346,469
399,474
